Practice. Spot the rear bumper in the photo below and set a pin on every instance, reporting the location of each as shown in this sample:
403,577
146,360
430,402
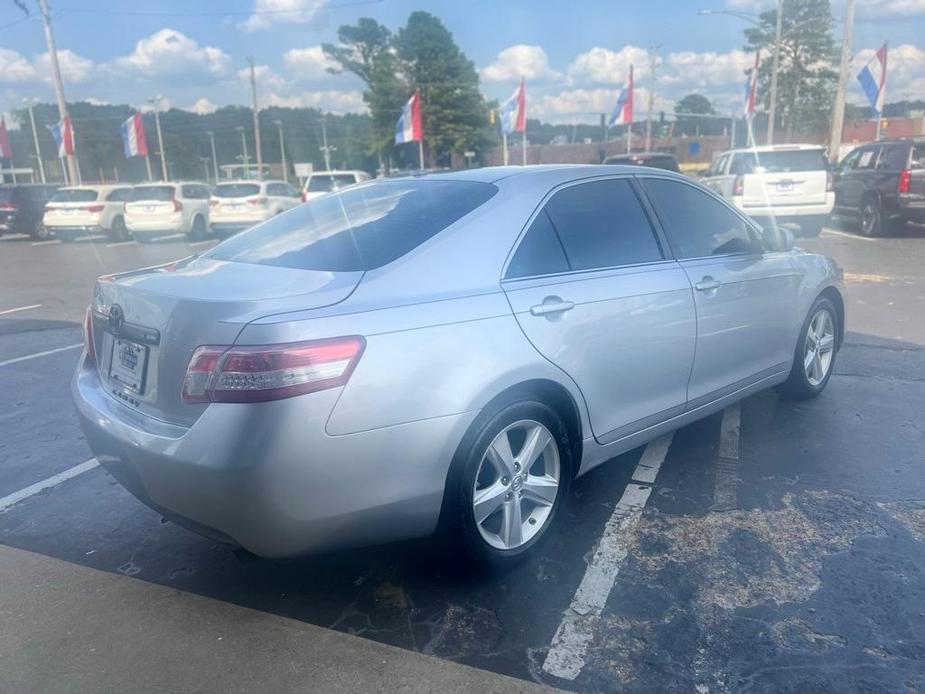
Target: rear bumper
790,211
75,229
162,224
267,477
912,210
234,224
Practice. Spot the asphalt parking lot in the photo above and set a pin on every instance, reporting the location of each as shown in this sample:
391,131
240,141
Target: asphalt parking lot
777,546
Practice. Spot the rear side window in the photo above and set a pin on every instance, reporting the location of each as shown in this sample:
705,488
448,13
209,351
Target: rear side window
540,252
153,193
867,159
787,161
74,196
119,195
358,229
893,157
602,224
699,225
236,190
918,157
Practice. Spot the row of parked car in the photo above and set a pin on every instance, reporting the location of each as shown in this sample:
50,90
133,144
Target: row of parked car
153,209
879,186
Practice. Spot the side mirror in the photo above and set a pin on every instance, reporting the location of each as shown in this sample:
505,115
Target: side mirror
779,238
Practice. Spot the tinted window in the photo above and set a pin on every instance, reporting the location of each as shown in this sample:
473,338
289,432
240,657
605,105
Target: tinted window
698,224
6,194
867,158
779,162
893,157
154,193
236,190
918,157
120,195
540,252
321,183
39,192
74,196
358,229
602,224
196,192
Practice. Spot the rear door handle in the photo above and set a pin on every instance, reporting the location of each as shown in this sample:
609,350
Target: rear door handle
551,306
707,284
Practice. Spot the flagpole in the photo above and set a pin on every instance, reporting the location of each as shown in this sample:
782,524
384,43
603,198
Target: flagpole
504,145
421,153
148,167
629,138
524,133
881,97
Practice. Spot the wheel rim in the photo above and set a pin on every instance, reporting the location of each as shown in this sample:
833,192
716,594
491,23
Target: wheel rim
868,218
514,493
819,347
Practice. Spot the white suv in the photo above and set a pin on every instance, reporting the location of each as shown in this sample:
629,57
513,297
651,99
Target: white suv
238,205
168,208
780,183
83,210
321,182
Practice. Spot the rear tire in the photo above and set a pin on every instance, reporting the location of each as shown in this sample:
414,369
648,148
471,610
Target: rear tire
198,230
118,232
814,356
40,232
870,223
504,505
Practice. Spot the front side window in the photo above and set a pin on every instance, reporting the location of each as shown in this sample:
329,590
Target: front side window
698,224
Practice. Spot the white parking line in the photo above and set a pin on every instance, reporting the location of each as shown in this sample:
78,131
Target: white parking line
19,308
39,354
50,242
170,237
201,243
566,656
13,237
835,232
118,244
726,479
11,500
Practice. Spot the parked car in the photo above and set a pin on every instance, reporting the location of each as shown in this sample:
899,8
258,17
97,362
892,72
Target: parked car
239,205
657,160
22,206
881,186
780,184
444,351
168,208
83,210
323,182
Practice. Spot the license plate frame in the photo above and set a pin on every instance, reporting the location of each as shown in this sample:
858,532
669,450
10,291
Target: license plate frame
128,365
785,186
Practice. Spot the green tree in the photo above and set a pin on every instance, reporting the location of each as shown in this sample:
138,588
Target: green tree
806,80
686,111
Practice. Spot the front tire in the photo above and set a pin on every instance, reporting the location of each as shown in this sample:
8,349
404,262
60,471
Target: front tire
515,479
814,358
118,232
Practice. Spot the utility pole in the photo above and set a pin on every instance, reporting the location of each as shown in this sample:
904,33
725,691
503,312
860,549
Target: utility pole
155,102
214,158
775,66
838,109
282,149
72,171
653,66
35,138
325,150
247,164
250,61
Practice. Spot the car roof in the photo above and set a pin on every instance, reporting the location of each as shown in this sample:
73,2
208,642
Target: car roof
252,181
337,171
98,187
553,174
772,148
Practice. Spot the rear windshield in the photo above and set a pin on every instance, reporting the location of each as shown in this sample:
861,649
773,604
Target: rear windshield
74,196
325,184
361,228
779,162
156,193
236,190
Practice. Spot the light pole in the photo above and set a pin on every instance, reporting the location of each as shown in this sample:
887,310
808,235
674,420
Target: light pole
35,136
774,68
214,158
73,171
205,167
282,149
838,108
155,102
250,62
653,66
244,158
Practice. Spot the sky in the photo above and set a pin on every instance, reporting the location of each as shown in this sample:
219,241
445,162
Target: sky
574,55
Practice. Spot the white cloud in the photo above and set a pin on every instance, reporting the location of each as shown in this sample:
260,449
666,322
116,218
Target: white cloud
709,69
266,79
335,101
169,52
202,106
586,105
514,62
165,104
270,12
14,67
604,66
308,63
10,120
74,67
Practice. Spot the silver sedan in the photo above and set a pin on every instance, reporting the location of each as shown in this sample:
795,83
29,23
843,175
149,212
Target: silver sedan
444,351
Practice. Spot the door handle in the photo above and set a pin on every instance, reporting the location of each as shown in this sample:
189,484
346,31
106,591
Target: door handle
707,284
551,305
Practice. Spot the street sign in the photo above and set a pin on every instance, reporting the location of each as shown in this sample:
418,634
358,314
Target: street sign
303,169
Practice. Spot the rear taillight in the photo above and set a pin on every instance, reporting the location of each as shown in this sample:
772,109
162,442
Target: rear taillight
177,205
738,185
304,197
272,372
829,182
8,206
88,335
213,202
94,208
905,180
257,201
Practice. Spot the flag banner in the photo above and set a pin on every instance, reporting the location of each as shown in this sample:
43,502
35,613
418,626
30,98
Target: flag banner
623,110
63,133
5,151
514,111
133,137
873,80
409,128
751,86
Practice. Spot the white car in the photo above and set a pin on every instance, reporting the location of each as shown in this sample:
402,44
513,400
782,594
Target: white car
784,183
87,210
322,182
168,208
239,205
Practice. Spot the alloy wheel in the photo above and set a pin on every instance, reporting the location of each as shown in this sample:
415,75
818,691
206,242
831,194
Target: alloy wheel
514,493
819,347
869,218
